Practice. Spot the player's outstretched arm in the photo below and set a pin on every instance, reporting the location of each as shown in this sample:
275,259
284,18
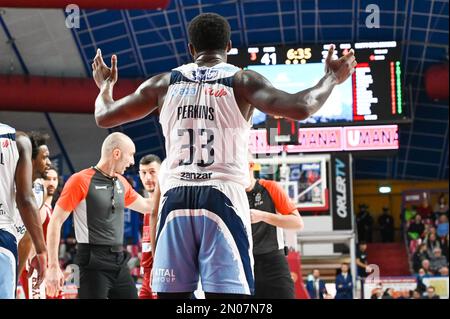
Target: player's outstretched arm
55,277
287,221
257,91
141,205
110,113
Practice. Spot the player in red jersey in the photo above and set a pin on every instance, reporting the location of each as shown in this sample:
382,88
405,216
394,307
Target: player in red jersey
148,172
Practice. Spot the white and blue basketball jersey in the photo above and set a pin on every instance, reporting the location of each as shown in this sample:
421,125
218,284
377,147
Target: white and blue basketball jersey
206,134
38,192
9,157
204,229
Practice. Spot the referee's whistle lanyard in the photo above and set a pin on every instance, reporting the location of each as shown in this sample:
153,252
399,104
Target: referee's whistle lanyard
113,180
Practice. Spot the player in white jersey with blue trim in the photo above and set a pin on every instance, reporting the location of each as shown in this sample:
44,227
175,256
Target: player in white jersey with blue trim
205,109
40,165
15,188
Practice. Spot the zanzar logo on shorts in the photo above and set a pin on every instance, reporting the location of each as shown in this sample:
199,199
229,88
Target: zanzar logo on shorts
191,176
2,211
164,275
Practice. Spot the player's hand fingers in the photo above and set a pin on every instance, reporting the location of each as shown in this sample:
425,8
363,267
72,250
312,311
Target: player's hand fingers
350,56
49,289
330,53
97,63
30,271
99,58
41,277
113,67
96,55
61,282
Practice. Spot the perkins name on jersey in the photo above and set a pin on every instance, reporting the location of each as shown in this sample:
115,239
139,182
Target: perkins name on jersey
195,112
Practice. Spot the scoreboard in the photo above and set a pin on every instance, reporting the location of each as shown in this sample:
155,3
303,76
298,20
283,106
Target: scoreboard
373,94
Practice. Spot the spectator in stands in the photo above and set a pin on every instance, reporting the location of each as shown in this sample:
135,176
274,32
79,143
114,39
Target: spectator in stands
421,287
344,283
388,294
405,294
441,207
420,255
437,261
410,213
425,210
364,222
377,293
431,293
444,246
316,286
361,260
442,226
416,294
426,267
386,224
432,243
416,228
429,229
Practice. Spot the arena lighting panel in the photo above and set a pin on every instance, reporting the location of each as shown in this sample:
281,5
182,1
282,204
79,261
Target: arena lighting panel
373,94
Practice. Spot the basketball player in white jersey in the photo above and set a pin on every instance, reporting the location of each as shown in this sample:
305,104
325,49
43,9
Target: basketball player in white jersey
40,166
205,111
15,189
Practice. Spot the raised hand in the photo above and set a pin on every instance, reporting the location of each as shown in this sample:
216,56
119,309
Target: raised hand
341,68
101,72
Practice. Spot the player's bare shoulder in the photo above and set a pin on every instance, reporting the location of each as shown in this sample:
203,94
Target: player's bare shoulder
249,87
248,82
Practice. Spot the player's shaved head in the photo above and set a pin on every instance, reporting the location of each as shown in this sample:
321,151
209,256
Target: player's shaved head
114,141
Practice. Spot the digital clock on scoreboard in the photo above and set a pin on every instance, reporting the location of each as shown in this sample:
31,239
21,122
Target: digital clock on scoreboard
373,95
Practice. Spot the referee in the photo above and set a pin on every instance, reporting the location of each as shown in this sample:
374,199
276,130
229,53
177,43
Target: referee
271,211
97,197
